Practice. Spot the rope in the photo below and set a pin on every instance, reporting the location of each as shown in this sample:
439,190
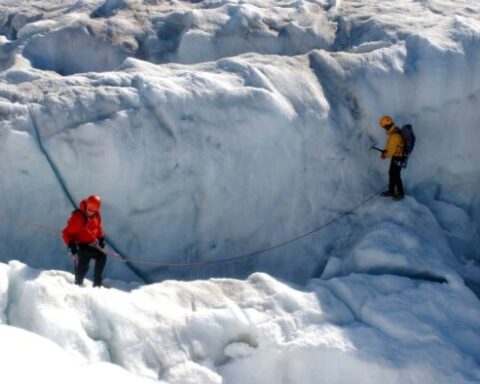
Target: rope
29,223
116,255
63,185
251,254
48,158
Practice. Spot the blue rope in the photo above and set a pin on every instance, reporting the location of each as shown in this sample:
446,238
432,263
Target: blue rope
69,196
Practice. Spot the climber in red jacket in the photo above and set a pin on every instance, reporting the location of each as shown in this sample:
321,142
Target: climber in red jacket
84,236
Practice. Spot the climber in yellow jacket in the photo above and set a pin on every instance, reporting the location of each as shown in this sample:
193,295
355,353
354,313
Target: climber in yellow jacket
394,150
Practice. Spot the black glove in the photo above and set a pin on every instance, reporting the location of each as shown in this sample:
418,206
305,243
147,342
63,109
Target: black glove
73,248
101,242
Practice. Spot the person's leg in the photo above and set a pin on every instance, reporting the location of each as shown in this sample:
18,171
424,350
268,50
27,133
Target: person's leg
100,260
400,191
391,180
81,267
396,169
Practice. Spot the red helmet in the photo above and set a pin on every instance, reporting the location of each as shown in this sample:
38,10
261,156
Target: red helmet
93,203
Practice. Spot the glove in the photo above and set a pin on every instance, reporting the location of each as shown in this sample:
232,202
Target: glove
101,242
73,248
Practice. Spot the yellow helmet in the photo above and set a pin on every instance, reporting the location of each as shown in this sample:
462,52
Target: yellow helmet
385,121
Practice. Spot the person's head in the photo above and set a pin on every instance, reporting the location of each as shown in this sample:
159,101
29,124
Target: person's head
386,122
93,204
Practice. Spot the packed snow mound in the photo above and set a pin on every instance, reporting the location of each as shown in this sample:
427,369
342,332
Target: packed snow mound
27,357
355,329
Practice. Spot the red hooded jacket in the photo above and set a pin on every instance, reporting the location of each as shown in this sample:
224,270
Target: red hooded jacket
82,228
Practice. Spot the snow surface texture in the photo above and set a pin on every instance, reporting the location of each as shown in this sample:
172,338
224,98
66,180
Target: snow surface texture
213,129
27,357
354,329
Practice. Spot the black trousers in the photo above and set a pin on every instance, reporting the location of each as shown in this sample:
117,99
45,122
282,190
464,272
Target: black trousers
86,252
395,185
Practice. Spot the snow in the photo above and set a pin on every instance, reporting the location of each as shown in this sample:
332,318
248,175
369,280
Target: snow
214,129
48,362
358,328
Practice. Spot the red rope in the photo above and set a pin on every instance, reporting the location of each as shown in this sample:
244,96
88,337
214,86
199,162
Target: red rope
29,223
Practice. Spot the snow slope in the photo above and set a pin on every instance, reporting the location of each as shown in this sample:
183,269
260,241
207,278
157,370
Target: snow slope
27,357
359,328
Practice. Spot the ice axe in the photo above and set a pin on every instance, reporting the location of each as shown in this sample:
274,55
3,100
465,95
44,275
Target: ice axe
374,145
376,148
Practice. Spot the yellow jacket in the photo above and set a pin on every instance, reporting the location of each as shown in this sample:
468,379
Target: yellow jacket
394,146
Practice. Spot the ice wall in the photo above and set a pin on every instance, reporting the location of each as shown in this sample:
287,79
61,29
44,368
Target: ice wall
262,137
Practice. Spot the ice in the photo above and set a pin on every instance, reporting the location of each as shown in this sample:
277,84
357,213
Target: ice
48,362
58,51
222,129
356,328
219,159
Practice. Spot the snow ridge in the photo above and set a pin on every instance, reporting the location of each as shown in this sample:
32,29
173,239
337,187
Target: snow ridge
219,329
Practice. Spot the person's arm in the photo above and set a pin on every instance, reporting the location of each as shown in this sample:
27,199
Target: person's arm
392,144
74,226
100,234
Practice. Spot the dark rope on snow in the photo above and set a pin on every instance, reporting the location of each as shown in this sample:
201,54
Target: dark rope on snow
258,252
63,185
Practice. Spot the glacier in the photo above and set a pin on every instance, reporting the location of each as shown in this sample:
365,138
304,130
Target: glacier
356,329
215,129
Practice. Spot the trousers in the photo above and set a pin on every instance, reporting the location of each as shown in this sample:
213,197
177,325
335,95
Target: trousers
86,252
395,185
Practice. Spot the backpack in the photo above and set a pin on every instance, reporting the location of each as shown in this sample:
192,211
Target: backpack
408,142
84,217
83,214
